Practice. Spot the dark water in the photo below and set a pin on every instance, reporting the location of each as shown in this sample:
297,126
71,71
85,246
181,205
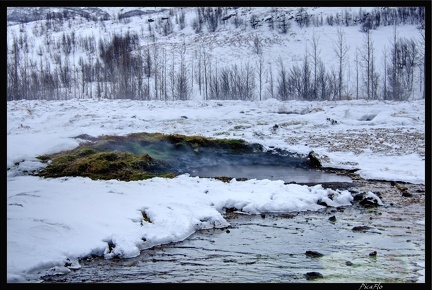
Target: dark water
272,172
273,165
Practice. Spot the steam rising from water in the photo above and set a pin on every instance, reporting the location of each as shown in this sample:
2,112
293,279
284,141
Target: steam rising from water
204,161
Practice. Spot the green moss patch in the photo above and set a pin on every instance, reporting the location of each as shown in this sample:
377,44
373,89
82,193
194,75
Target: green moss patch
104,165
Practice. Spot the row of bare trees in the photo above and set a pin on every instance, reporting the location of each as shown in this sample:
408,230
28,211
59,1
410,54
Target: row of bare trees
120,68
402,66
280,20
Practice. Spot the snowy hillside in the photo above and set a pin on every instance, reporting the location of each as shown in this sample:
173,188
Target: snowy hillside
253,53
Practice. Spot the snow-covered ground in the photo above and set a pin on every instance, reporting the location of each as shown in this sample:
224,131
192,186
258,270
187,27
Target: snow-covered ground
53,222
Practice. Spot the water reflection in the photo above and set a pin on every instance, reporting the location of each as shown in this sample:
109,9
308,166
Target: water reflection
266,171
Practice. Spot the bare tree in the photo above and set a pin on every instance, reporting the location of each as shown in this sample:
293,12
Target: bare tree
257,46
197,23
394,83
295,83
182,85
172,76
215,84
323,85
163,75
385,74
315,61
198,71
284,24
156,70
14,71
341,49
254,21
357,72
270,89
182,18
374,78
249,82
260,75
224,83
421,59
207,72
306,77
282,81
367,57
147,71
404,55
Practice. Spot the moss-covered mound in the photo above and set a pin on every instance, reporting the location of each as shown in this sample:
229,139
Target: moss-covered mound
139,156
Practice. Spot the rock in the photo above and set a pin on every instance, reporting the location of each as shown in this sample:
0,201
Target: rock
323,203
313,275
368,202
332,121
332,218
406,194
373,254
314,254
348,263
359,196
402,189
314,161
371,200
275,128
361,228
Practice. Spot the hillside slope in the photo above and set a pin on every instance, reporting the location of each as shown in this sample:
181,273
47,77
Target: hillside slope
62,53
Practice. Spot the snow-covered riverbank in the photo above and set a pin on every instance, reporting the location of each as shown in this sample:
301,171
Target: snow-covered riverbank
55,221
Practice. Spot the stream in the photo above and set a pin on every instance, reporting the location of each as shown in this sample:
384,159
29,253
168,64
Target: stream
353,244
